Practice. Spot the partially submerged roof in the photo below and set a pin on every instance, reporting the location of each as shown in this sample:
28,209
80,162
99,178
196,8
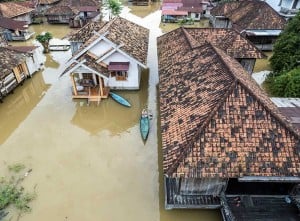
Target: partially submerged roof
8,60
86,32
11,9
215,120
130,37
12,24
289,107
251,14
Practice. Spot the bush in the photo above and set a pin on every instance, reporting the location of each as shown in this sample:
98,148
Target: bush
287,48
284,85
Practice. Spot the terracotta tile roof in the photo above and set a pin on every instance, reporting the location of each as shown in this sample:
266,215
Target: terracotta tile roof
86,32
132,38
47,2
12,24
215,120
28,4
228,40
8,60
11,9
61,10
253,15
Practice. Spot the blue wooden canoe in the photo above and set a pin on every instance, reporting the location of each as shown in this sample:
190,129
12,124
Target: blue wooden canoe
120,99
144,125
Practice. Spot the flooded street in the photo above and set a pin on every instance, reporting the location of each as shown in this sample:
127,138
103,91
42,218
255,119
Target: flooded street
88,162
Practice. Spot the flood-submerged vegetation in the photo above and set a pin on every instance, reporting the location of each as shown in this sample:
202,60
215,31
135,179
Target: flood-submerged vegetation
12,194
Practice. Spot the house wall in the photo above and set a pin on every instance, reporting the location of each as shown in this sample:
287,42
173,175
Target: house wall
100,48
75,46
133,79
34,62
195,16
264,43
61,19
25,17
248,64
220,22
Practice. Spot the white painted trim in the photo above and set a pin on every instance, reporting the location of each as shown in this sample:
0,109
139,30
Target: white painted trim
88,47
73,68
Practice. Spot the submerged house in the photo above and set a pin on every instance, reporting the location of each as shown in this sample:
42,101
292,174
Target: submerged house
225,144
176,10
73,12
13,30
112,58
15,11
254,19
13,70
33,57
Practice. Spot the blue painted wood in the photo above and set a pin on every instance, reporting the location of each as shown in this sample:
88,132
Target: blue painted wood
120,99
144,126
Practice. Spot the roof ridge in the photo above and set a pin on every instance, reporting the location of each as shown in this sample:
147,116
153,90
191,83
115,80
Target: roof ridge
191,40
286,123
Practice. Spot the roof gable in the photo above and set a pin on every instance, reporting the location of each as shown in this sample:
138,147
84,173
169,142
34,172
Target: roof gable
203,84
130,37
242,138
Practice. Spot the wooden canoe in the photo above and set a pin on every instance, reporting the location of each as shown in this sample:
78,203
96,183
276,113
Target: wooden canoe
144,125
120,99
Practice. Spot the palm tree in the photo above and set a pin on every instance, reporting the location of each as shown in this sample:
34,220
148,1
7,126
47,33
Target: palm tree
114,7
44,40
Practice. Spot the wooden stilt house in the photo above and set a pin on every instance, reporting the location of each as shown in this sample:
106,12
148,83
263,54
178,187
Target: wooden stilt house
225,144
13,70
111,58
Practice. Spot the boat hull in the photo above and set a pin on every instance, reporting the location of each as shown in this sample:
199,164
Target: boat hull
144,127
120,99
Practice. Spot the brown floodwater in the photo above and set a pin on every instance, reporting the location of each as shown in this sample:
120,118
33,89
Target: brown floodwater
88,162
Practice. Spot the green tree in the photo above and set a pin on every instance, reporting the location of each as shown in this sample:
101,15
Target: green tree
287,48
114,7
44,40
285,85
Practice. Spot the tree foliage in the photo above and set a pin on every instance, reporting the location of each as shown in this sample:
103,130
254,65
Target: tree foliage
285,85
114,7
44,40
287,48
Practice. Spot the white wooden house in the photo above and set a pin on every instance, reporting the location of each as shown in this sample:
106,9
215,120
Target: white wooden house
112,58
287,8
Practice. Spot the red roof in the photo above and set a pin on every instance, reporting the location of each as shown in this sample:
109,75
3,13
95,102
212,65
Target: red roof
173,12
118,66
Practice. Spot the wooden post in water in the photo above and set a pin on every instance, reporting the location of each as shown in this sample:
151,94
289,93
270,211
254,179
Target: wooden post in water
73,84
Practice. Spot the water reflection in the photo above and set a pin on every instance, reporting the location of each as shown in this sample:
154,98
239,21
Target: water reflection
110,115
17,106
143,11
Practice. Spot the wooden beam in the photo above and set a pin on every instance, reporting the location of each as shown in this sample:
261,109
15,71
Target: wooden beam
74,85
